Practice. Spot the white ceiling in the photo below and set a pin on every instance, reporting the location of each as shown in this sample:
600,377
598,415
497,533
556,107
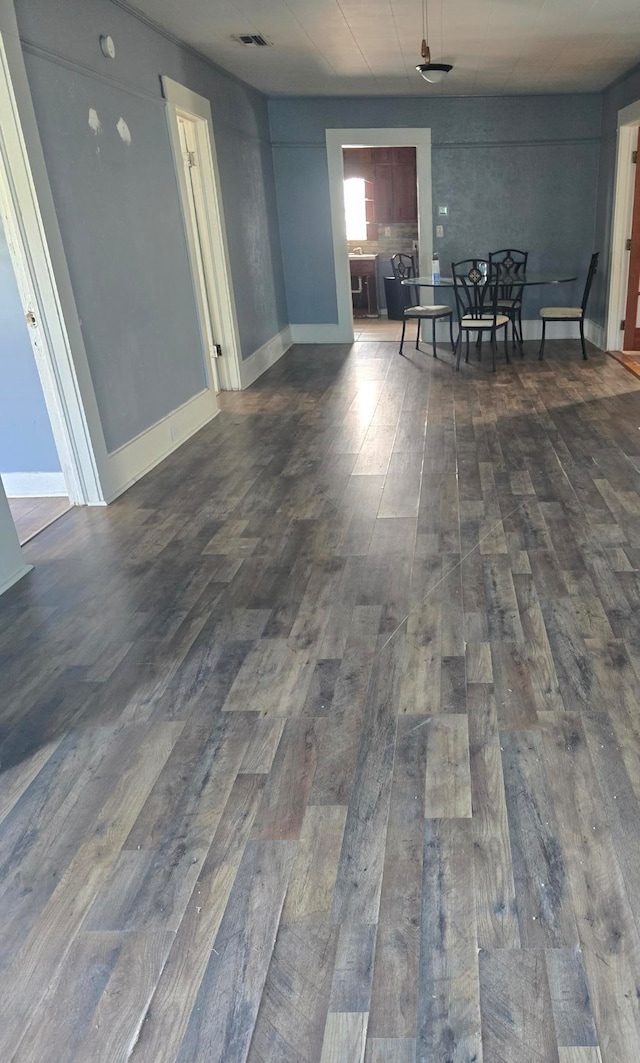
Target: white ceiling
371,47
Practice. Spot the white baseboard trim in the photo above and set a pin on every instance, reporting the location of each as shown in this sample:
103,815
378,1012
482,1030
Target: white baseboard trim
33,484
596,334
266,356
320,334
14,577
564,330
531,330
132,461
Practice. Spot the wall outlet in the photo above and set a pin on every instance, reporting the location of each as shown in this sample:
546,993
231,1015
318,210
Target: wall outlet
386,231
439,231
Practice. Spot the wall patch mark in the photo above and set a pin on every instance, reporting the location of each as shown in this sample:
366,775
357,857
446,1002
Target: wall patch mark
123,131
94,122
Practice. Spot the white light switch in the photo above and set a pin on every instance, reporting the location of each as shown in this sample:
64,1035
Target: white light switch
439,231
443,211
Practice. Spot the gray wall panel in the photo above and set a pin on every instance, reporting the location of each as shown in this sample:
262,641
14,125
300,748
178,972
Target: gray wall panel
519,171
119,208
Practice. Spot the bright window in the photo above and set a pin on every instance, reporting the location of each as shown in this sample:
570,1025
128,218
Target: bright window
355,208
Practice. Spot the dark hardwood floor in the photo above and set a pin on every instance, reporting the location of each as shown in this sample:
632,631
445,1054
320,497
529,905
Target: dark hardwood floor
33,515
323,742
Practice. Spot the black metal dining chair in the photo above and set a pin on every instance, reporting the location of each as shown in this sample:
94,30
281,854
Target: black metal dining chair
477,294
513,263
571,313
404,268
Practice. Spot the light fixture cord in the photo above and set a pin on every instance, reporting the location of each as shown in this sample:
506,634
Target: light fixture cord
425,21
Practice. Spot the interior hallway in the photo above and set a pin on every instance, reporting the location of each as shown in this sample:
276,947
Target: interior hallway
249,810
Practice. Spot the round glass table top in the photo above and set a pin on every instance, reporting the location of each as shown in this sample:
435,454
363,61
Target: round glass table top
520,279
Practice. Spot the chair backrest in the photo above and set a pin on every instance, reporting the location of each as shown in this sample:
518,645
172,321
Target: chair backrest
510,260
593,268
513,263
476,290
404,268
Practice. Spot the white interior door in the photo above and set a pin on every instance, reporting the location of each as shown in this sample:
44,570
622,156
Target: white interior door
196,220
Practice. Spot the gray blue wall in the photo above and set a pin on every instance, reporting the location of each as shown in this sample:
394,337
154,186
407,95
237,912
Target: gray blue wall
513,171
119,209
26,439
617,96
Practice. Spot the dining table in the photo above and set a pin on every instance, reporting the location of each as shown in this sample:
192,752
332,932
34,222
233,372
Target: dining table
527,280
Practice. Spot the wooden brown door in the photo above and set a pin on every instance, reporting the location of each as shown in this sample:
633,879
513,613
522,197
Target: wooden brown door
632,314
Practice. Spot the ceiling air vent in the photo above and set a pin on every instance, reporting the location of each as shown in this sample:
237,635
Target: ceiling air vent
251,40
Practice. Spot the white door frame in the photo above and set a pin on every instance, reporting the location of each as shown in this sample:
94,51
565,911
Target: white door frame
195,220
215,252
35,246
337,139
628,122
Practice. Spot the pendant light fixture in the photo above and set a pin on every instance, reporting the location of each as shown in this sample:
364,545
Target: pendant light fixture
432,72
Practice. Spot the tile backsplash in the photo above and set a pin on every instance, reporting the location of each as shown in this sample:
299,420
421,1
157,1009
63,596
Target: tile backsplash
401,239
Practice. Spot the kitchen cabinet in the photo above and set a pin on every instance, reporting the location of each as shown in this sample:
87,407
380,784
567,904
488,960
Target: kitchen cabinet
364,293
392,172
395,191
358,162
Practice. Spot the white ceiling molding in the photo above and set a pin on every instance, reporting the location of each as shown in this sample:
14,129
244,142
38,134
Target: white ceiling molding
345,47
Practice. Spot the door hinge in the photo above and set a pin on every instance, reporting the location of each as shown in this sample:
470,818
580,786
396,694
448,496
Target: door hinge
623,325
634,156
216,350
628,244
190,159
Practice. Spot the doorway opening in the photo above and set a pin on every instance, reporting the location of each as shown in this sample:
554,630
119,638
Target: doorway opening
194,152
395,165
46,381
623,306
195,218
381,219
30,466
631,343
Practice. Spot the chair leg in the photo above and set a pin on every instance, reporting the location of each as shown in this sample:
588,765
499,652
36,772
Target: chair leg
453,346
434,337
541,351
467,354
513,330
457,350
479,344
418,335
404,325
584,349
506,344
520,336
493,350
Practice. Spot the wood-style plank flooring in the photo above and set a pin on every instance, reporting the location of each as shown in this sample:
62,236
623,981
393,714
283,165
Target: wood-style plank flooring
629,360
323,742
33,515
